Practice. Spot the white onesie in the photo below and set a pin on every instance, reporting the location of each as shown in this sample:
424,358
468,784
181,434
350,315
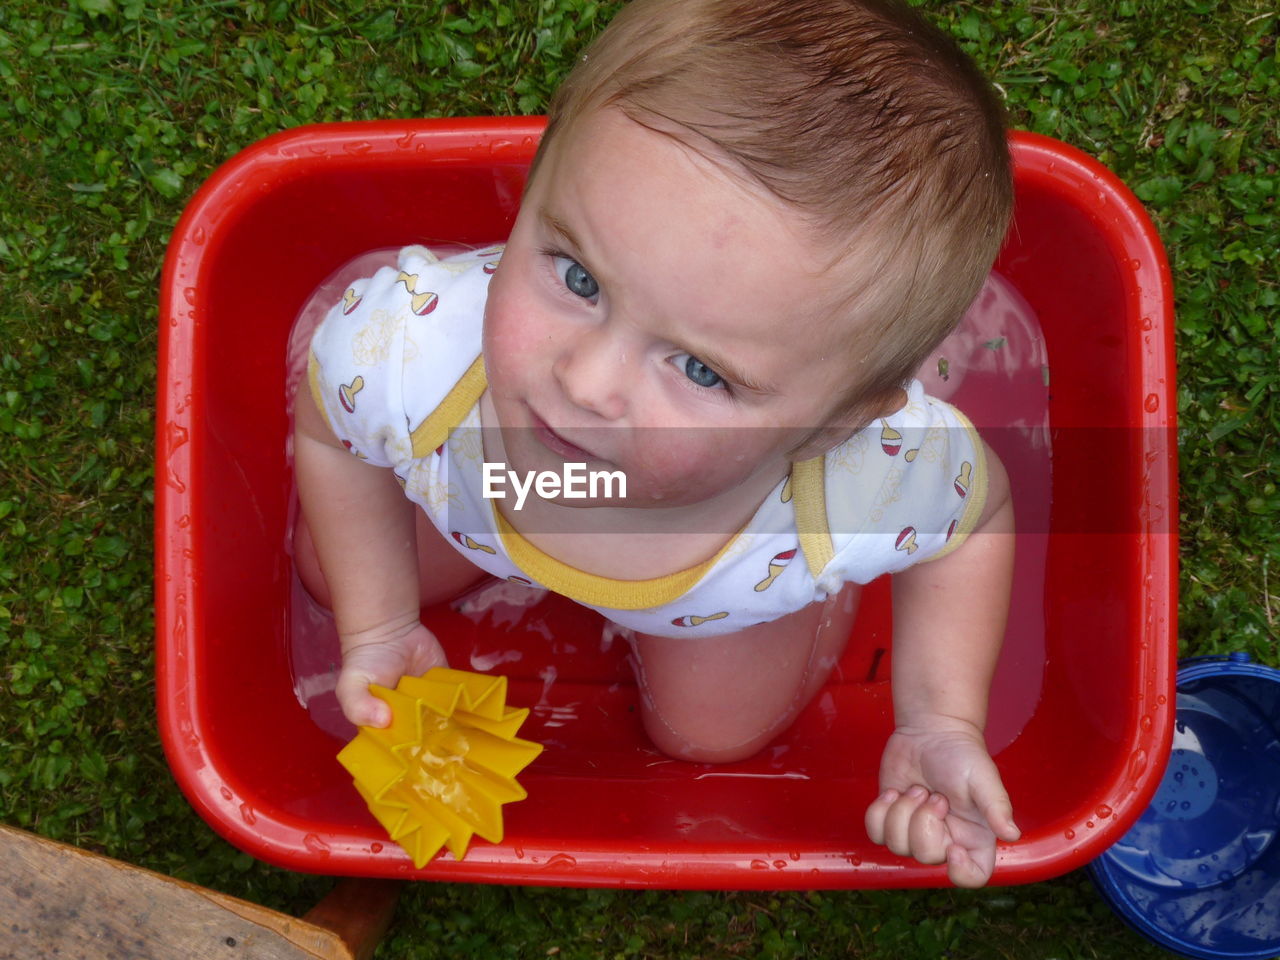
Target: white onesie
396,370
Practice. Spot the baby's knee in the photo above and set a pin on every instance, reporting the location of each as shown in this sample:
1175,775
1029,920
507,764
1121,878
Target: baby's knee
720,744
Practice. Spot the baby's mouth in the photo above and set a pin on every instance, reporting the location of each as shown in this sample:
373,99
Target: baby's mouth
558,445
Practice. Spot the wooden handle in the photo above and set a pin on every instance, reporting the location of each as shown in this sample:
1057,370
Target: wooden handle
56,900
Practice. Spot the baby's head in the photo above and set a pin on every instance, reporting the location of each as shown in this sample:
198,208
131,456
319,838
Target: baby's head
747,225
866,121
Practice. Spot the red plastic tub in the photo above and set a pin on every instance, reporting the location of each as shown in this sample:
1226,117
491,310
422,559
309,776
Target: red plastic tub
1081,713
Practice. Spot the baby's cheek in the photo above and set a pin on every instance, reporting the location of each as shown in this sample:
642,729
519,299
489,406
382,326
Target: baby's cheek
676,463
507,342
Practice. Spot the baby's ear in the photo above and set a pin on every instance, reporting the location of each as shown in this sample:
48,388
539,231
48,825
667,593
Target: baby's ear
845,423
884,405
820,440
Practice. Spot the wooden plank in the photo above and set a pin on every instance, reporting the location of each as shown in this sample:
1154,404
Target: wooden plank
359,911
59,901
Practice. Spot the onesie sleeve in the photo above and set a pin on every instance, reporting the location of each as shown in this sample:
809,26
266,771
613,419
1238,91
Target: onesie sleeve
906,489
388,353
356,367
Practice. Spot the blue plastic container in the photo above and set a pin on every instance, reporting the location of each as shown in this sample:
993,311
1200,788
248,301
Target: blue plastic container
1199,873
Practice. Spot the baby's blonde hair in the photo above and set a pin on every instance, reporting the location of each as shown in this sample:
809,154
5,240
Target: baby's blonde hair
865,118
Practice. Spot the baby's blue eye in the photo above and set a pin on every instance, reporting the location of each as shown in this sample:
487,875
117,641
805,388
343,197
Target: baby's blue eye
577,279
700,373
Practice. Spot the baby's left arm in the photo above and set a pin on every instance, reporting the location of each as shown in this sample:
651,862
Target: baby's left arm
941,796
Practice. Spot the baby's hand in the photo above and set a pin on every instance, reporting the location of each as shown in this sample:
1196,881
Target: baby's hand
383,658
942,800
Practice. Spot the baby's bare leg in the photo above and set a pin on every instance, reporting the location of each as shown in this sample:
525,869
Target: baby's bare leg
443,573
718,699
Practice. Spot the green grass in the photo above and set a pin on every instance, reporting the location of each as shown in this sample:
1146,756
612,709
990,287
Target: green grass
113,112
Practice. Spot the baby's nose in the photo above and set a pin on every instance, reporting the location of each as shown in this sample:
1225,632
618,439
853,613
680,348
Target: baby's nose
593,371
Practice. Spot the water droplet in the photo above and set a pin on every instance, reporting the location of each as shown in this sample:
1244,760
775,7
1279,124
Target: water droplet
375,847
1146,723
198,237
172,480
248,814
185,728
1257,841
779,864
184,521
1162,700
226,793
1135,264
1070,834
1089,824
176,435
357,147
1103,812
519,852
1146,323
562,860
1152,403
404,142
317,846
189,295
759,865
1137,764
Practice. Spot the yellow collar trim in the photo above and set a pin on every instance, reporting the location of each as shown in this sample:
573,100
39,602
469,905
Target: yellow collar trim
977,496
317,391
809,491
453,409
597,591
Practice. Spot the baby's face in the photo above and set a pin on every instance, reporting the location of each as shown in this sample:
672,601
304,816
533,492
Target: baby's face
655,313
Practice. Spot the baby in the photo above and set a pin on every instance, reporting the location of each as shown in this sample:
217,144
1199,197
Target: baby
747,226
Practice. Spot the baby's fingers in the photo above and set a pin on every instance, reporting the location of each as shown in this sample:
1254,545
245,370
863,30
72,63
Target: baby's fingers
965,870
895,813
927,833
971,858
990,798
359,705
876,814
909,824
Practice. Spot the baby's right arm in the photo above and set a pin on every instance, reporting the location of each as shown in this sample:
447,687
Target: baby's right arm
363,529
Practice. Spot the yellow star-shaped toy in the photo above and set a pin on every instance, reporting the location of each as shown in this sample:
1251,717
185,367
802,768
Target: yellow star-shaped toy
446,764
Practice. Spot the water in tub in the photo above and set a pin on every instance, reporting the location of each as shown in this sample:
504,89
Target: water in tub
993,367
